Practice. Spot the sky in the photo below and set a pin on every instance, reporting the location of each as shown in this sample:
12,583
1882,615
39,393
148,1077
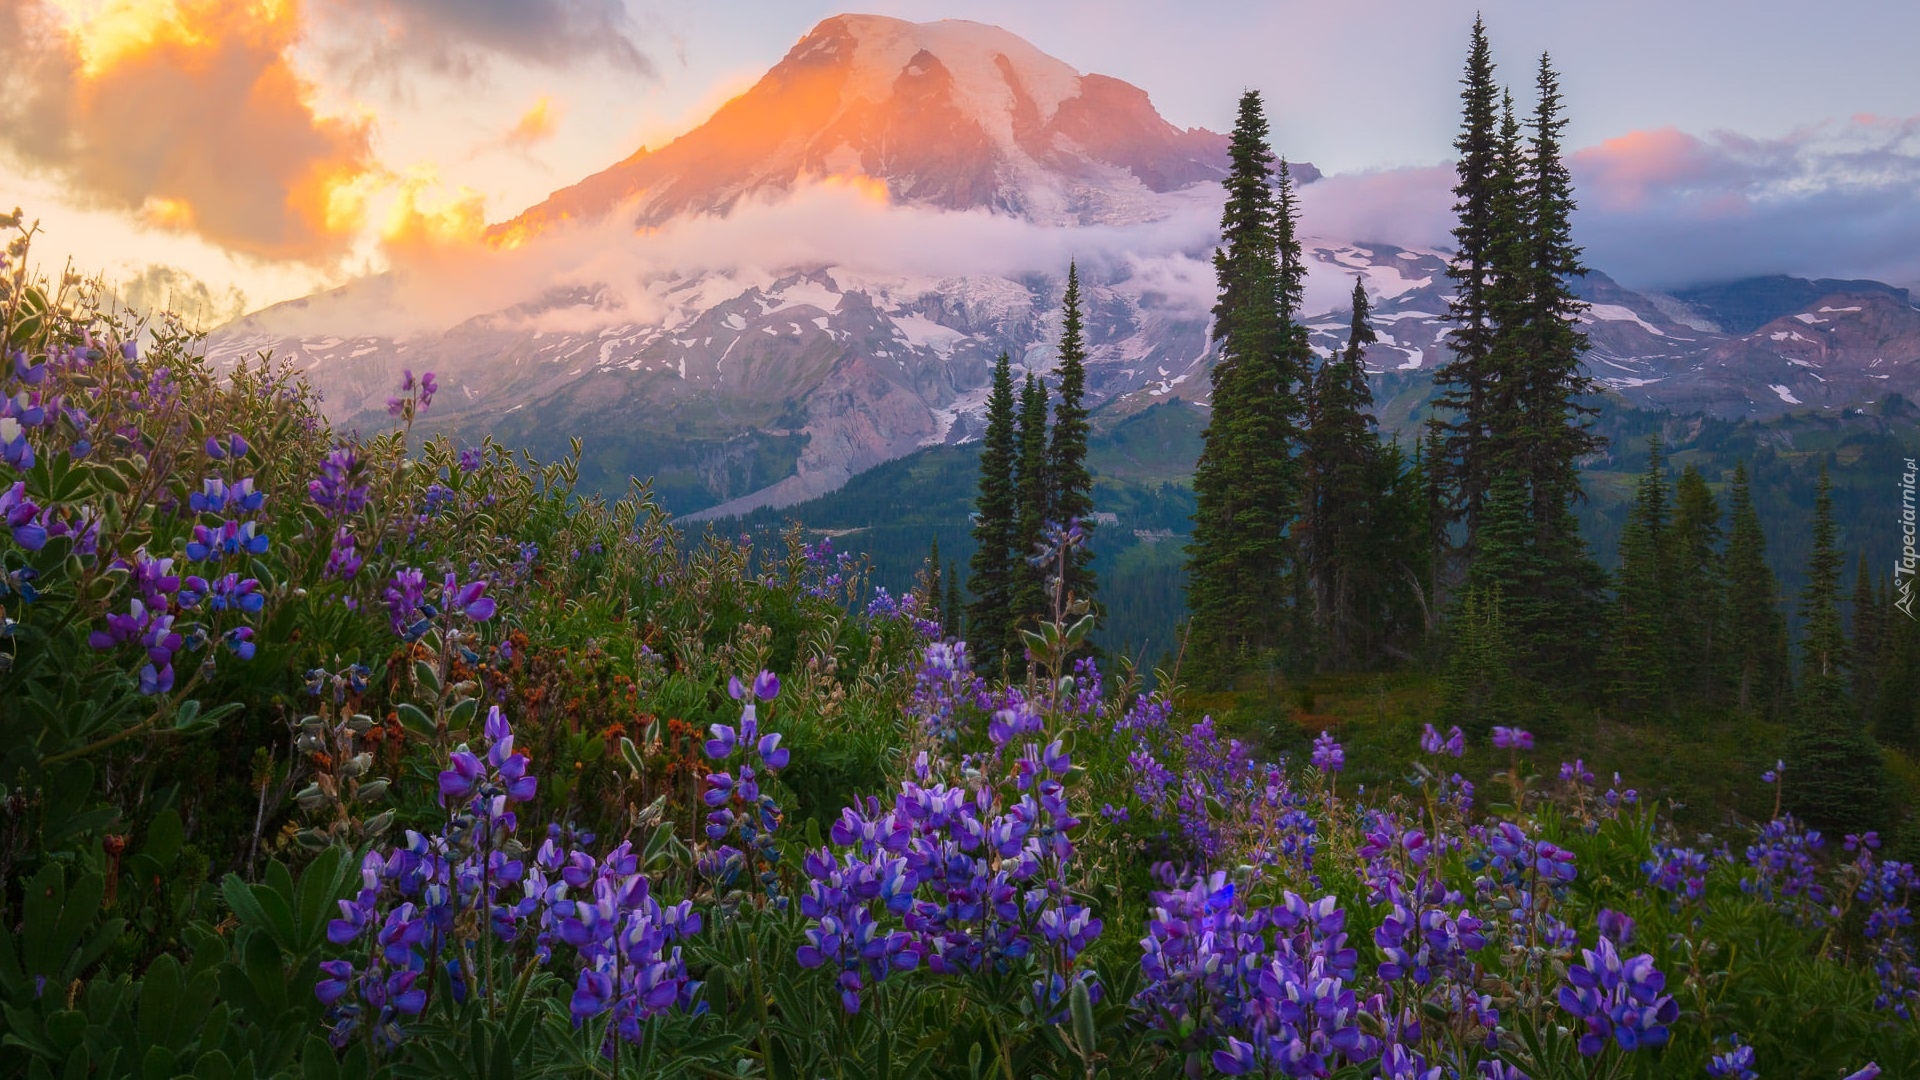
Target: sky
219,155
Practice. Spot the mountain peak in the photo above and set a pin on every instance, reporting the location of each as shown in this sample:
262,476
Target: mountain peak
951,115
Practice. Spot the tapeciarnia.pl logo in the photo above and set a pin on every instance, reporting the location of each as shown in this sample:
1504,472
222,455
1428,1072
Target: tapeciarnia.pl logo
1904,566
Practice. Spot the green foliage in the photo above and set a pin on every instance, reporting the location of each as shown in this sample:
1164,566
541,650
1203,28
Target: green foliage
996,524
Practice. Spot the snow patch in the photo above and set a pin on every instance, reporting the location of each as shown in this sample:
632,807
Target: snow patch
1809,319
1786,395
1618,313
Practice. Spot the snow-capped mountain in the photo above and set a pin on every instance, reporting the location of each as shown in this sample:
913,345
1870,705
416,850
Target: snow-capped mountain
819,278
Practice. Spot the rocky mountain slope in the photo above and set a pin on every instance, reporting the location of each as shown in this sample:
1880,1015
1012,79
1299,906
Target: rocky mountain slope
818,279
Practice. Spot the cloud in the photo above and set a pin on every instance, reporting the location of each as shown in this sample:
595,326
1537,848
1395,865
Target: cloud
188,114
535,125
457,37
1840,199
159,287
643,277
1666,209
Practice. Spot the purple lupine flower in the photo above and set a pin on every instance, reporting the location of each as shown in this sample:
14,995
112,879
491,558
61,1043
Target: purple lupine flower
1735,1063
15,450
467,599
1454,744
227,539
458,780
1507,738
470,459
215,495
766,686
1680,871
1576,772
22,517
428,387
1328,756
1772,776
405,595
339,491
1617,999
1869,1072
343,560
232,448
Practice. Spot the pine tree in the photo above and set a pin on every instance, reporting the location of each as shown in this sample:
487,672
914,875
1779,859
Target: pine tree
1896,701
1479,688
1551,380
1072,494
951,624
1863,646
1032,490
1835,779
933,592
1697,611
1639,651
1466,380
1246,482
989,619
1341,497
1756,638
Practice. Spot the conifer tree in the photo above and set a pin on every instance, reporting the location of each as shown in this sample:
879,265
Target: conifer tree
935,595
1756,638
1032,491
1697,609
1896,701
1479,688
1836,779
989,619
1341,499
1246,481
1863,646
1467,380
1639,652
1550,378
951,625
1072,494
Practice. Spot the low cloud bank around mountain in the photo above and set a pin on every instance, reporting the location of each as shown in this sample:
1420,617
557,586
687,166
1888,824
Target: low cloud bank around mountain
1666,209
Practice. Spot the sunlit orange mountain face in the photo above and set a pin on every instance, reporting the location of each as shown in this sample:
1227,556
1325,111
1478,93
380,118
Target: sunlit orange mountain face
953,115
818,279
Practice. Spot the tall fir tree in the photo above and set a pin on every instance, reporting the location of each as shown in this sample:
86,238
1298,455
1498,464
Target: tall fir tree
951,622
1466,381
1896,700
1033,489
1245,483
1640,650
989,619
1697,610
1835,777
1756,640
1551,381
1072,495
1341,498
1863,644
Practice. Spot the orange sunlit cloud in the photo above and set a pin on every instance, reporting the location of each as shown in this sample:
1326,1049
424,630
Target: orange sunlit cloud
189,115
423,219
537,124
1625,171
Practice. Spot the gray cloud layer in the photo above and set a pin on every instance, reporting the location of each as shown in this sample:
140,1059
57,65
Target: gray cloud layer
456,36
